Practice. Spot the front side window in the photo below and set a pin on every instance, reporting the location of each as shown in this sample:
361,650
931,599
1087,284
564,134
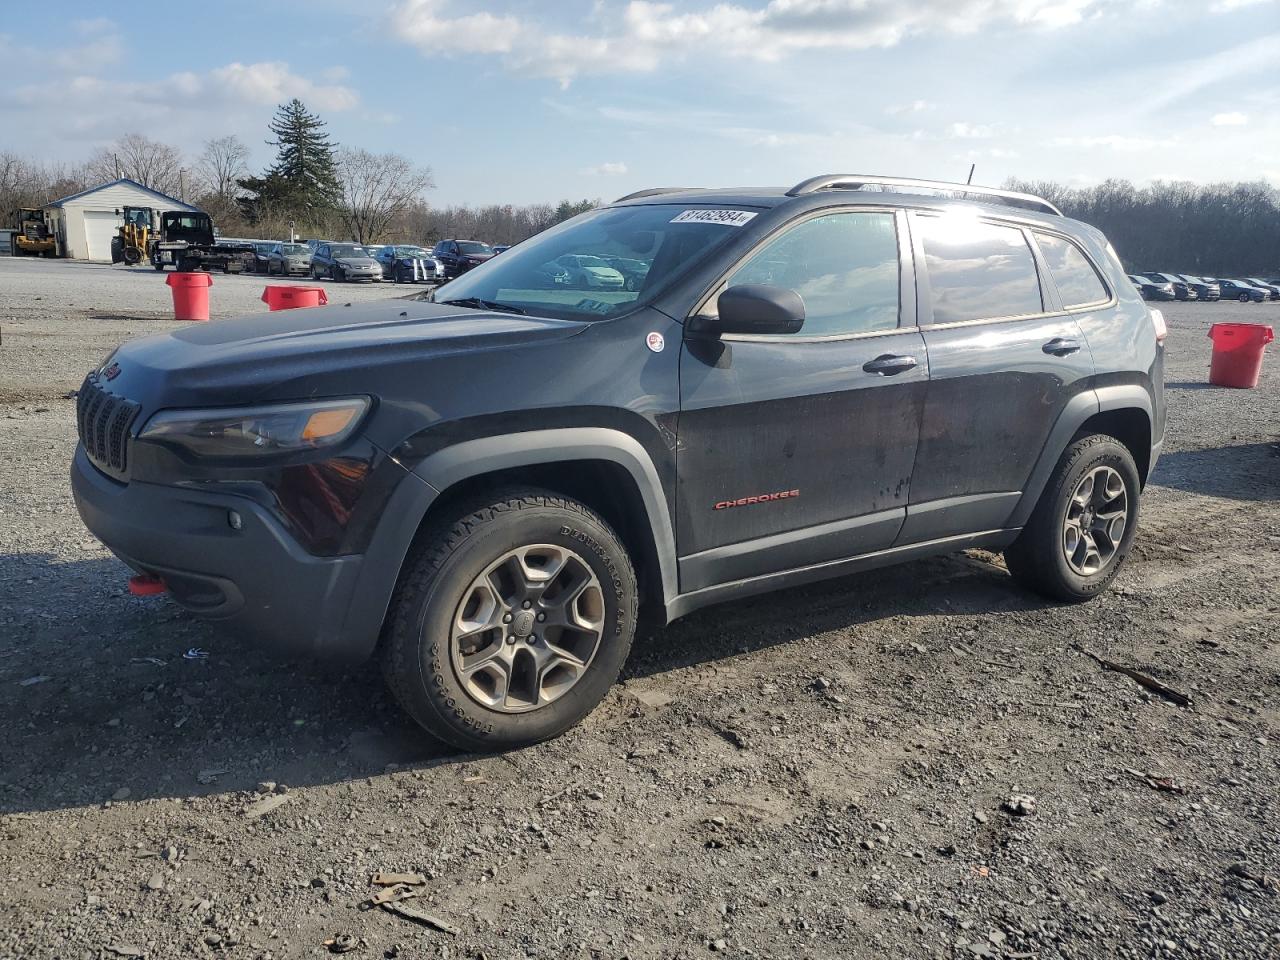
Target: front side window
977,270
843,265
1078,283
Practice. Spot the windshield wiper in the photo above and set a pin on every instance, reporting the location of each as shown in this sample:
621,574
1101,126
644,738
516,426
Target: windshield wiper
479,304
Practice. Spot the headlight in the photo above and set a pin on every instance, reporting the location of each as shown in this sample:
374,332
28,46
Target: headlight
258,431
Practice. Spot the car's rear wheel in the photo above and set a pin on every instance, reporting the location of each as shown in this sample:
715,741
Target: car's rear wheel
512,623
1084,524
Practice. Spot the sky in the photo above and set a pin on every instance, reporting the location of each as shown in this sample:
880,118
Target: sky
516,101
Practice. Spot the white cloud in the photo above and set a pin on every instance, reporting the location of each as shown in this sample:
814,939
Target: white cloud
1229,6
272,82
915,106
1120,144
647,34
972,131
612,169
1233,119
420,23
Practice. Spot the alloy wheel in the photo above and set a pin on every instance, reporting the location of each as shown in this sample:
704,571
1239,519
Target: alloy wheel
528,628
1097,515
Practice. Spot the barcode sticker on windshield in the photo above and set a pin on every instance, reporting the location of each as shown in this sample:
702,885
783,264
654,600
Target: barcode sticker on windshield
730,218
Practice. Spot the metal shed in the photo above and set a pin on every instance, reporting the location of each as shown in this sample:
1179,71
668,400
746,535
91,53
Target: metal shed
85,222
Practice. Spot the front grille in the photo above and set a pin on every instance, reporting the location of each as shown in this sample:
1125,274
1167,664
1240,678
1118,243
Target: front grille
103,421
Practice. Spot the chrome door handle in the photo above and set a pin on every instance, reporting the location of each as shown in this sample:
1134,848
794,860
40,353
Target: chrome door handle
1061,346
889,365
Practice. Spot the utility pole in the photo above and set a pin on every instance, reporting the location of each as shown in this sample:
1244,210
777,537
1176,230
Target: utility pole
972,167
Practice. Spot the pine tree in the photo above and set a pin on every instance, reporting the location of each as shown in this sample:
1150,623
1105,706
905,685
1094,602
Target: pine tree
303,181
304,157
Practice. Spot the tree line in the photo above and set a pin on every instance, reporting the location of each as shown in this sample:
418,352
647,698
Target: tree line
315,187
1216,229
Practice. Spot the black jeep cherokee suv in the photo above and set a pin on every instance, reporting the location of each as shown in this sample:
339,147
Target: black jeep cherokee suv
492,487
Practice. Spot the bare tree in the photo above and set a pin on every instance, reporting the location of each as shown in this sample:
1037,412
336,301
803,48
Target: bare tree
30,183
146,161
377,189
223,161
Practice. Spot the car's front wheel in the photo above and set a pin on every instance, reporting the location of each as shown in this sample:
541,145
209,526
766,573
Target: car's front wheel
512,623
1084,524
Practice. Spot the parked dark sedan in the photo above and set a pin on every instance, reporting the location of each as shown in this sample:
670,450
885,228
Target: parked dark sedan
1272,288
1181,289
403,263
1150,289
633,271
1205,288
261,257
1244,292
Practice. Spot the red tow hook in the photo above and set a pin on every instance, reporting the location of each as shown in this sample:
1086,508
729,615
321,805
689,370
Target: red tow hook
145,585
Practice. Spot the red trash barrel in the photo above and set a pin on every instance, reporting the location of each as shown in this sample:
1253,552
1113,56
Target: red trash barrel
190,295
1237,353
288,298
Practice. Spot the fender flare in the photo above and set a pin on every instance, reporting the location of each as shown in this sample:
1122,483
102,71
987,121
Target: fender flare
414,495
1078,410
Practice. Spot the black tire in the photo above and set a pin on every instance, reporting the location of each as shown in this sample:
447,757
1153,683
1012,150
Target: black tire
1244,298
334,274
159,267
1038,558
416,660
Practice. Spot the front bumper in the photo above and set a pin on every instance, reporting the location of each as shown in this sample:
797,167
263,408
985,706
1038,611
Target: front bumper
256,580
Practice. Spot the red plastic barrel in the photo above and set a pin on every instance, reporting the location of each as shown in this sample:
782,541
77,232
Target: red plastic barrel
190,295
287,298
1237,353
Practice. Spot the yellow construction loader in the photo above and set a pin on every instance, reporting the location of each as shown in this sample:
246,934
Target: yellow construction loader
34,238
135,235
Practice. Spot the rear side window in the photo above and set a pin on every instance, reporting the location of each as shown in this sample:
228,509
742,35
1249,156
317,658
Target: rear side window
978,270
1078,282
843,265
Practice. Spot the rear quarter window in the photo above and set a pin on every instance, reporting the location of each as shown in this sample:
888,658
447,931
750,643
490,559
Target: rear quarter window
1077,280
978,270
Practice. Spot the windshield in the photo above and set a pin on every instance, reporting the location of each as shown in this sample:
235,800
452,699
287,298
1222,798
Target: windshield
263,247
565,271
412,252
474,246
347,250
293,249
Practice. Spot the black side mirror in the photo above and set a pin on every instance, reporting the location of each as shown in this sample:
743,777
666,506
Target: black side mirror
754,308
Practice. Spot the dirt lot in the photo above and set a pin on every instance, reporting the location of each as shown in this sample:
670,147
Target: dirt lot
832,772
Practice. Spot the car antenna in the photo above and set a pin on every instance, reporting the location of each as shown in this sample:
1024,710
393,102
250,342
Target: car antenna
969,182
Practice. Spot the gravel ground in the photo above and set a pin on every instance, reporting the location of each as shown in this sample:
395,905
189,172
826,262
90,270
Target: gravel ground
916,762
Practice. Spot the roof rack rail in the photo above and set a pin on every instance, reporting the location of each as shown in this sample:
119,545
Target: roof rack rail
856,181
652,192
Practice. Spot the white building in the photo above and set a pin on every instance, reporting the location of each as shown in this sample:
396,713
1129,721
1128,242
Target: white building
85,222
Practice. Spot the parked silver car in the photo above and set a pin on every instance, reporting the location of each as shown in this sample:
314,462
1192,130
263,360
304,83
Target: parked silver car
287,259
344,261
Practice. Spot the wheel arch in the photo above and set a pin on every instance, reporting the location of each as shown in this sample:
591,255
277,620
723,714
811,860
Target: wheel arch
1123,411
607,470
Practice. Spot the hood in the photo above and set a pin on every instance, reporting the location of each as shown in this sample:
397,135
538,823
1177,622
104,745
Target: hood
357,261
290,354
477,256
